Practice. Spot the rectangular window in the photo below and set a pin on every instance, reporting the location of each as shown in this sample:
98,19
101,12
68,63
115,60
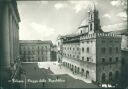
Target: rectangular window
82,58
87,49
117,50
81,31
87,58
116,59
82,49
103,60
103,41
110,50
103,50
110,59
90,27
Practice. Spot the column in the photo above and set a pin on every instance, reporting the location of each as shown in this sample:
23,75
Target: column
11,38
4,43
4,33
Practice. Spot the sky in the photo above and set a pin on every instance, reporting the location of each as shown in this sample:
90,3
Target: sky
46,20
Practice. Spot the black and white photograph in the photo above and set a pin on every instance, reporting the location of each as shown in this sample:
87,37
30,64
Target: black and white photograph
67,44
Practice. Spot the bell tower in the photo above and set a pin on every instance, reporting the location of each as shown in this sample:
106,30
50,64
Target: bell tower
93,19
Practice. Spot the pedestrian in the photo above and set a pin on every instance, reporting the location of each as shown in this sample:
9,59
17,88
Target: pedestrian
43,84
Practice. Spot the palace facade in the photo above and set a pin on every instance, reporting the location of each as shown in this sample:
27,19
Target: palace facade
92,53
35,50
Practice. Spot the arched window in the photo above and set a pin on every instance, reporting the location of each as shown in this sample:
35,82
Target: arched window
103,77
87,49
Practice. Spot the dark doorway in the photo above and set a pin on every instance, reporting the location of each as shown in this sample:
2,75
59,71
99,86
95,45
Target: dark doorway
110,76
103,78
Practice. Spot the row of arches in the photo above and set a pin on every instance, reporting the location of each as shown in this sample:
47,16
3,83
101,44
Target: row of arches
111,76
77,70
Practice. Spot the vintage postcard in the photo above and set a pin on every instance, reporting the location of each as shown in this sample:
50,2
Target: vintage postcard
63,44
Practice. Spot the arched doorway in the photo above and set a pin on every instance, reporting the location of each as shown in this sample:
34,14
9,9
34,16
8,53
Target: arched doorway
66,64
70,66
78,70
103,78
75,69
87,74
82,71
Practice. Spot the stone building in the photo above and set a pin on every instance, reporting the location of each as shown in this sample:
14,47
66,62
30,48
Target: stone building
35,50
9,35
124,55
92,53
54,53
59,48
